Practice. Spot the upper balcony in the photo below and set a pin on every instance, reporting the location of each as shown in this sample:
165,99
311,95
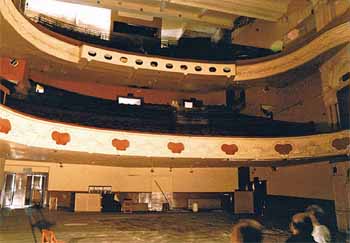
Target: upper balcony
43,47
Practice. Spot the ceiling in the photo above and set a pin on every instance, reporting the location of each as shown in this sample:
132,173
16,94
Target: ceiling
220,13
193,18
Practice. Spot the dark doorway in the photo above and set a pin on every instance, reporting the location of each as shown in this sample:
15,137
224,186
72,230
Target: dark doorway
243,178
260,193
344,107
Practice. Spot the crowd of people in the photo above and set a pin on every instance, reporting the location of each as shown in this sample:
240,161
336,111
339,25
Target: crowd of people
304,227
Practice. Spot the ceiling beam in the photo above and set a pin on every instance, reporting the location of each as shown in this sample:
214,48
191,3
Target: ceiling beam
270,10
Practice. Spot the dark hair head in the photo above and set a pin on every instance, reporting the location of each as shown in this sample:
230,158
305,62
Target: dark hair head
316,211
246,230
301,222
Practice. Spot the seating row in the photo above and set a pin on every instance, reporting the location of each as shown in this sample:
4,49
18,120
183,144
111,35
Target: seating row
63,106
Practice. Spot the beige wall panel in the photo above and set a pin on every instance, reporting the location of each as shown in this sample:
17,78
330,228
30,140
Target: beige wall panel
74,177
264,33
294,103
205,180
135,180
309,181
78,177
20,168
260,34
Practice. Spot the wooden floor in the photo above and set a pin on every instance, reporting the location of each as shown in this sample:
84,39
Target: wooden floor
24,226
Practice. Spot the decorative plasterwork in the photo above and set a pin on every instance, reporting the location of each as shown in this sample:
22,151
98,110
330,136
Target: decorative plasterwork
5,126
176,148
341,143
33,132
229,149
120,144
60,138
283,149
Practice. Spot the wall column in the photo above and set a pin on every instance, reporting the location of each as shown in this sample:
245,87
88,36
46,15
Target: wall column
341,191
331,72
2,176
324,12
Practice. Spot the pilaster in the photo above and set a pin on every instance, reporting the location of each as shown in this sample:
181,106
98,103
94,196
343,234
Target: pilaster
341,191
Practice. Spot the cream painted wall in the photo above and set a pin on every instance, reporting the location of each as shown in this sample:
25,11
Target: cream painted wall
77,177
308,181
298,102
260,34
264,33
72,177
205,180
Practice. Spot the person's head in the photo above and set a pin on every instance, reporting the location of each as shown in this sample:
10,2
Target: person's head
316,214
301,224
246,230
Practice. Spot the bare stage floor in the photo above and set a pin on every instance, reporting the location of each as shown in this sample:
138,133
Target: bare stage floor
24,226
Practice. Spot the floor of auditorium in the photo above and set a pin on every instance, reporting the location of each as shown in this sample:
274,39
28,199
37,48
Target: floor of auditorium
24,226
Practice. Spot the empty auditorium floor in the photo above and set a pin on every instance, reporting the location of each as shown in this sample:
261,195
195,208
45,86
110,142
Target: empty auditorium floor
24,226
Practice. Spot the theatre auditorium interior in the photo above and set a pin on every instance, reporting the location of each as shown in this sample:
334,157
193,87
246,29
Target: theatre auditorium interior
172,120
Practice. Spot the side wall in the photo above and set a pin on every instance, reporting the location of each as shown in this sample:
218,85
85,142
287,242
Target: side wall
298,102
307,181
77,177
303,17
150,96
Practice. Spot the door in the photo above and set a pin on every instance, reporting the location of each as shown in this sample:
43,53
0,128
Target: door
9,190
22,190
343,96
35,190
19,191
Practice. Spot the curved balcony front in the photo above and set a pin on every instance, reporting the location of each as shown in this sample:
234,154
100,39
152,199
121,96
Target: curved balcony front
19,132
258,68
